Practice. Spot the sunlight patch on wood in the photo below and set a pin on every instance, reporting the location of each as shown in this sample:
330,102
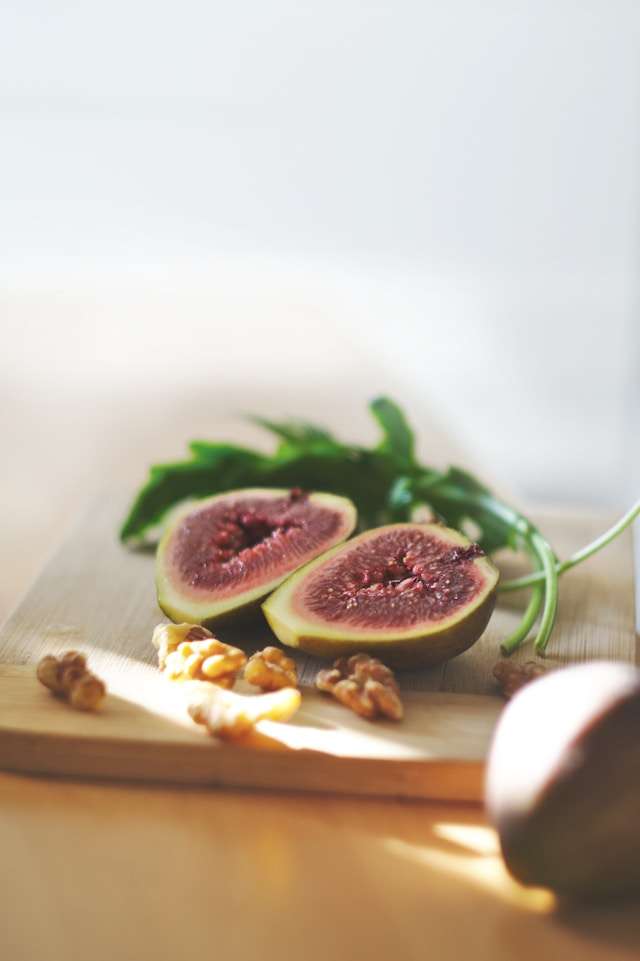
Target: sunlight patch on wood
484,871
472,837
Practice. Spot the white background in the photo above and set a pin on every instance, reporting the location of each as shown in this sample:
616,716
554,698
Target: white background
299,204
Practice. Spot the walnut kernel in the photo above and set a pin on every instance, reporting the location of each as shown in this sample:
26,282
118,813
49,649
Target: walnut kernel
166,638
363,684
512,676
271,669
68,677
188,652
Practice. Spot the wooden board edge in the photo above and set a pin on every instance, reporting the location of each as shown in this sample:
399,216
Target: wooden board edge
238,766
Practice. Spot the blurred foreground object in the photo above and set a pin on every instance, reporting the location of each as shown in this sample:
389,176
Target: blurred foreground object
563,781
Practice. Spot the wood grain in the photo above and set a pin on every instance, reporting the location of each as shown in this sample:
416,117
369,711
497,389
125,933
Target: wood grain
437,752
97,871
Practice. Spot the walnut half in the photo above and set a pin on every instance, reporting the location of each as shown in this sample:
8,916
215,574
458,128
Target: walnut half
68,677
189,652
511,676
363,684
271,669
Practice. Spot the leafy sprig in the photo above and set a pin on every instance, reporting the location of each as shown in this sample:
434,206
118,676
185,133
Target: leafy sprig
386,483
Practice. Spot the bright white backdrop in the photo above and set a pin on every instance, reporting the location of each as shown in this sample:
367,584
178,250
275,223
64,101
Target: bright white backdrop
292,200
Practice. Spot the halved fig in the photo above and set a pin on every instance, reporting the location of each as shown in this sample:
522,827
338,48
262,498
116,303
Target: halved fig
412,594
225,553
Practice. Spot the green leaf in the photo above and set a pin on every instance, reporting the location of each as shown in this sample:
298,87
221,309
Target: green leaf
168,484
401,497
204,450
463,479
365,477
385,483
457,497
397,436
297,433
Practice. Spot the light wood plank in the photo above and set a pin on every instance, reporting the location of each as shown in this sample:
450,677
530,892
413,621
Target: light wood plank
437,752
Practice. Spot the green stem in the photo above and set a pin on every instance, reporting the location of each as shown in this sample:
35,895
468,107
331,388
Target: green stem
538,576
550,607
546,582
511,517
529,617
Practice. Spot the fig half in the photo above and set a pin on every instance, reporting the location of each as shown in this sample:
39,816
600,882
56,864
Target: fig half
411,594
225,553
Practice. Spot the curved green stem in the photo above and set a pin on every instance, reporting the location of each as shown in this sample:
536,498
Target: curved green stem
545,580
545,595
529,617
530,579
551,592
487,503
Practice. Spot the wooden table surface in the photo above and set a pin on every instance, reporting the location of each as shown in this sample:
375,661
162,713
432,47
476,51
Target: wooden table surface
94,871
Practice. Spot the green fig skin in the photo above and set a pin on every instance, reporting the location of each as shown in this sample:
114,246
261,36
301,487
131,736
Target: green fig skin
571,822
247,615
422,651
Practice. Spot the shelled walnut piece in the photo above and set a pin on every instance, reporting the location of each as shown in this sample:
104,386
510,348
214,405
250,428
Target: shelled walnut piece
271,669
69,678
511,676
229,716
189,652
363,684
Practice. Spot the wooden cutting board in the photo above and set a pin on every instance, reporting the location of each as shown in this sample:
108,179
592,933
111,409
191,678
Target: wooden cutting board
96,596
